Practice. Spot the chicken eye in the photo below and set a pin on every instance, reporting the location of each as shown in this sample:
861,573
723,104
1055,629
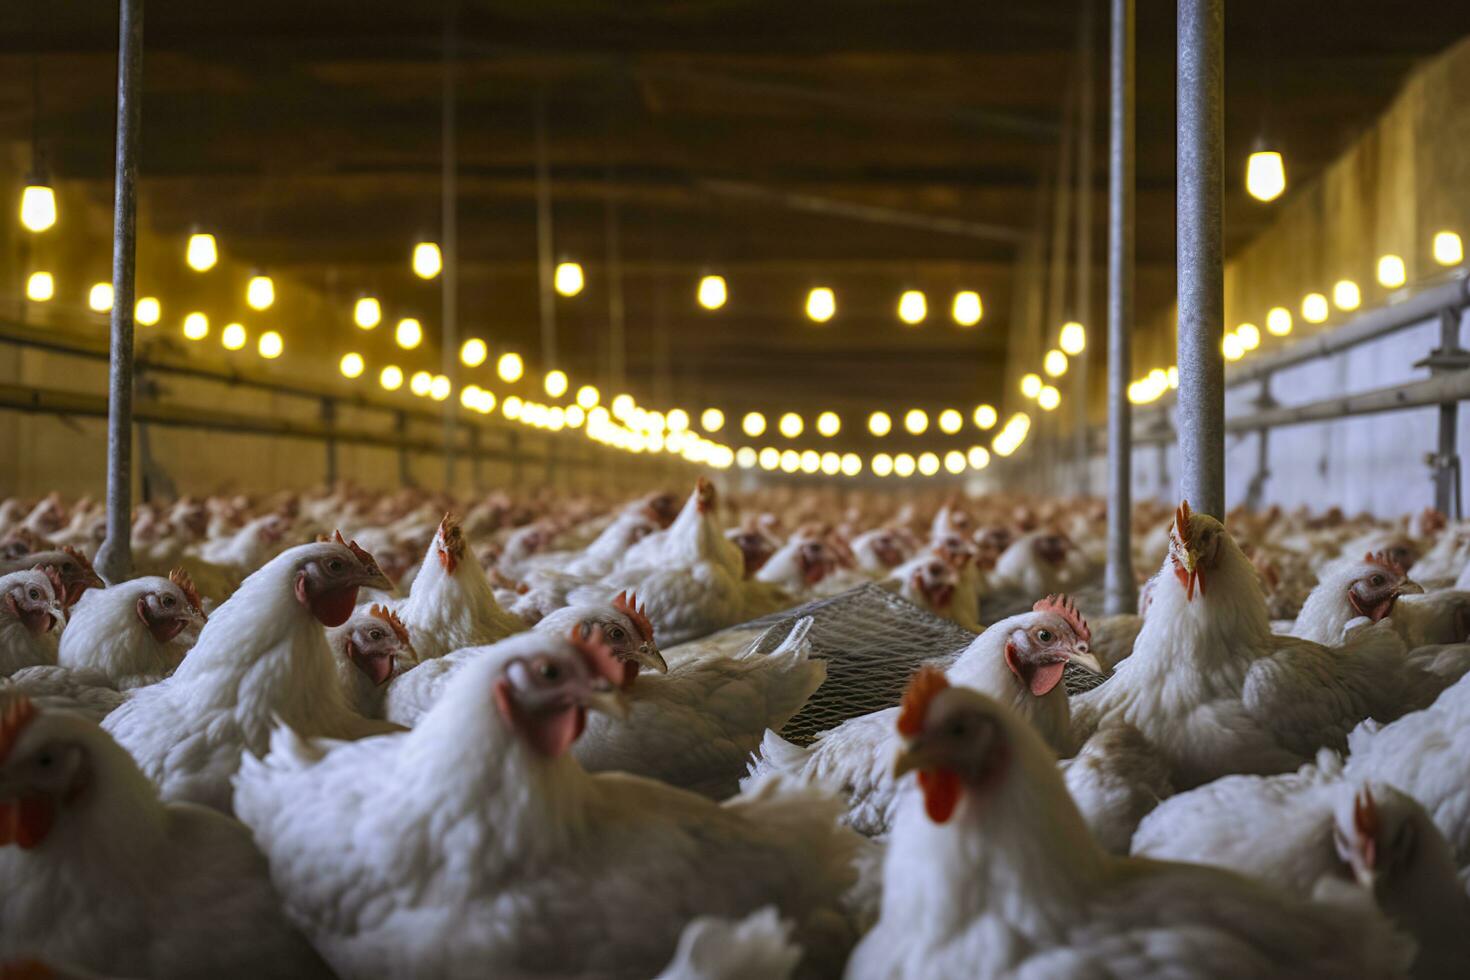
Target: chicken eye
549,670
335,565
168,600
35,593
1045,636
375,635
1376,580
44,760
615,633
957,728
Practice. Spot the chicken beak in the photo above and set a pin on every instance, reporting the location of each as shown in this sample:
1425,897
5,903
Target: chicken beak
1409,587
609,702
377,580
647,655
913,757
1084,657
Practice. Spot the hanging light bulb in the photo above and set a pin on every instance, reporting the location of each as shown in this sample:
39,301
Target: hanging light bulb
811,461
147,311
40,287
368,313
99,298
928,464
623,406
1231,347
1265,175
512,407
260,292
510,367
769,458
967,308
828,424
790,425
233,336
821,304
1031,385
1346,295
196,326
1073,339
1250,336
1391,272
712,420
916,421
1448,249
427,261
790,461
852,464
1048,398
677,420
950,421
903,465
879,424
271,345
201,253
753,424
1278,321
569,279
882,465
978,457
472,352
587,397
954,461
712,293
391,377
351,365
555,383
912,307
1314,308
420,383
1054,363
408,334
37,205
746,457
985,416
440,388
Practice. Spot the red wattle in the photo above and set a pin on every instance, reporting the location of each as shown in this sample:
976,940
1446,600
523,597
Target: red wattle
26,821
1046,677
941,789
333,608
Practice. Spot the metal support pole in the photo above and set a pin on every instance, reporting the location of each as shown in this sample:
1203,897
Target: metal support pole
1120,591
616,341
329,420
449,230
1256,491
1200,257
115,557
545,271
1082,308
1448,358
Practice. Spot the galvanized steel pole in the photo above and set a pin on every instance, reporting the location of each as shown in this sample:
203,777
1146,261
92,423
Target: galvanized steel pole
449,230
1082,308
115,557
1201,407
1120,593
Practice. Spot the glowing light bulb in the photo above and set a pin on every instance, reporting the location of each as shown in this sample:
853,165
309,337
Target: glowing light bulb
904,465
912,307
753,424
99,298
1314,308
622,406
196,326
881,465
510,367
712,293
351,365
368,313
1073,339
408,334
1250,336
420,383
148,311
270,345
821,304
1231,347
828,424
677,420
879,424
928,464
569,279
1171,378
555,383
1391,272
260,292
916,420
769,458
978,457
201,252
1346,295
391,377
790,461
234,337
469,397
831,463
1048,398
790,425
950,421
811,461
37,206
472,352
512,407
1265,175
1031,385
746,457
852,464
1448,249
985,417
588,396
967,308
40,287
954,461
440,388
427,261
1278,321
1054,363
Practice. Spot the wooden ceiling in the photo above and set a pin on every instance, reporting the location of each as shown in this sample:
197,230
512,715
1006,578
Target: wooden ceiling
307,137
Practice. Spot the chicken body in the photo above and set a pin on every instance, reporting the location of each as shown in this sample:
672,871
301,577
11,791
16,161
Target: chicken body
452,605
30,614
138,629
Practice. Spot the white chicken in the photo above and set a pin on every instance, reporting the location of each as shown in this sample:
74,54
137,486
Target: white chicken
452,604
757,947
991,872
261,658
1035,564
97,872
371,649
1019,660
476,845
30,609
930,582
1376,587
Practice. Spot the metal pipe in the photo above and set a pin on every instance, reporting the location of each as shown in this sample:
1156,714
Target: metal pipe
1201,412
1449,357
1082,306
617,360
115,556
1120,591
449,231
543,241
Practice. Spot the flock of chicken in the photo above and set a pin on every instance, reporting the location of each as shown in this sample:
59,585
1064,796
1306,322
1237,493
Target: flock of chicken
348,734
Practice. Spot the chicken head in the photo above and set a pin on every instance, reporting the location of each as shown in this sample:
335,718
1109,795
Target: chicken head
544,696
329,576
40,771
951,740
1052,636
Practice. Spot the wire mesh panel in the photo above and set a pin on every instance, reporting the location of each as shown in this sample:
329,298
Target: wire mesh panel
872,640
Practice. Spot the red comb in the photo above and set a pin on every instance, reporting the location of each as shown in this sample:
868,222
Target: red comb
1064,607
1381,559
391,618
450,530
181,578
925,684
597,654
628,606
363,555
80,558
53,576
1181,521
15,715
